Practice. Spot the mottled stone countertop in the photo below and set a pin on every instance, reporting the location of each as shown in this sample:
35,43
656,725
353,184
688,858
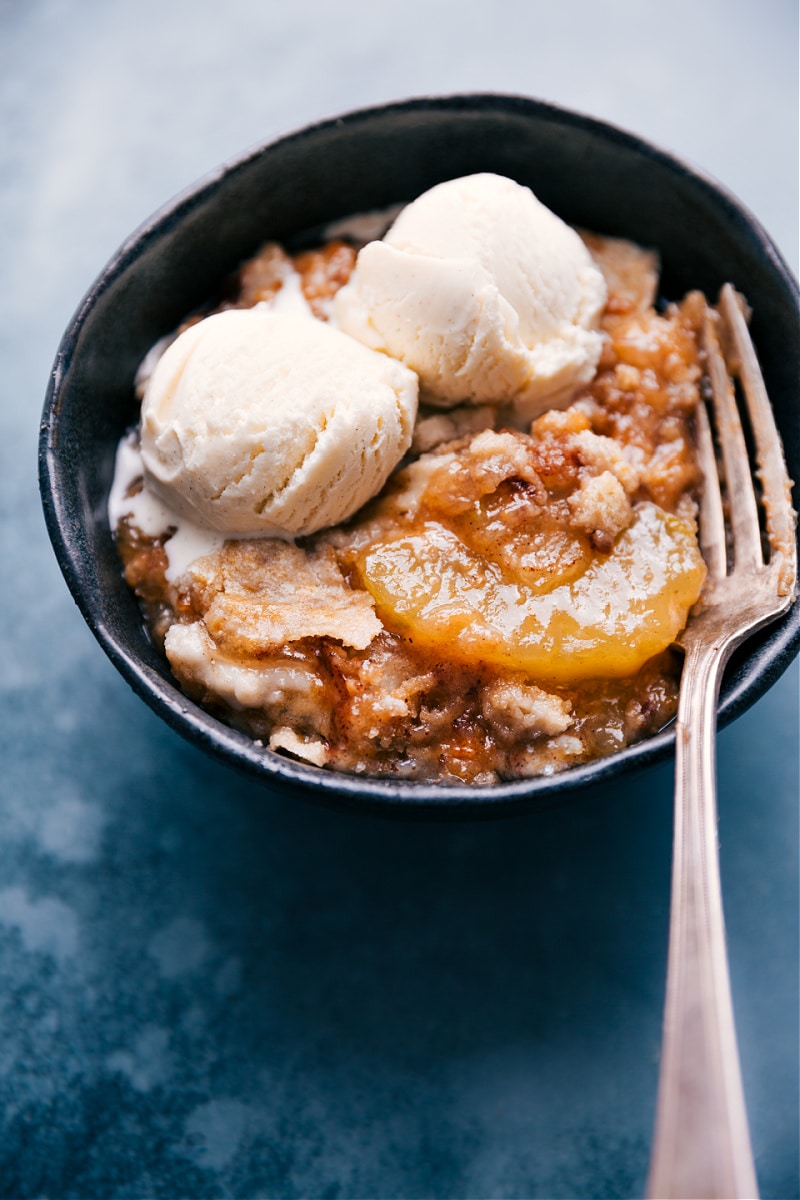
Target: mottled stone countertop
210,988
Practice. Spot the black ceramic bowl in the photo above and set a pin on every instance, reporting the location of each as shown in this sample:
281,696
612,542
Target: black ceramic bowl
591,174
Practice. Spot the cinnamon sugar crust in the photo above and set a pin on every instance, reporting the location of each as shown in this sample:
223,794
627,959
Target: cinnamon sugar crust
356,649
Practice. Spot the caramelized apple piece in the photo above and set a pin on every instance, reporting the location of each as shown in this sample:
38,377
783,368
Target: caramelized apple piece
535,548
608,621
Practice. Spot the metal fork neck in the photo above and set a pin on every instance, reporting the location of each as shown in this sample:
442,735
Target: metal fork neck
702,1143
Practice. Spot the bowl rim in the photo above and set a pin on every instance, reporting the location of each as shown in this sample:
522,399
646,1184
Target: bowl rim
335,788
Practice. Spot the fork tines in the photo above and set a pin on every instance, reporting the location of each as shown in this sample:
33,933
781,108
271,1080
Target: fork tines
730,356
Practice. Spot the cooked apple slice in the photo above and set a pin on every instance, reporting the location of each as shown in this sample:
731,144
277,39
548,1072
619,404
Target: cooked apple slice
625,607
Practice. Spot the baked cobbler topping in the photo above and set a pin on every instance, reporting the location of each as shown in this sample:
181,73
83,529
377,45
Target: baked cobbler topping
505,607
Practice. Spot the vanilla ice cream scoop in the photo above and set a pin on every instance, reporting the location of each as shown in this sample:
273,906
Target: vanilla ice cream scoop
266,423
484,292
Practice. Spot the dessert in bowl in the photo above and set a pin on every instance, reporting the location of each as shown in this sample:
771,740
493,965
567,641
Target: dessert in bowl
405,633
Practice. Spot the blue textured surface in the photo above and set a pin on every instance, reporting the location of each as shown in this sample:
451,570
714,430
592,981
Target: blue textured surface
211,989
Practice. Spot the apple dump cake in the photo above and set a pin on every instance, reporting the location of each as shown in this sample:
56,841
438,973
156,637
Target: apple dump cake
422,505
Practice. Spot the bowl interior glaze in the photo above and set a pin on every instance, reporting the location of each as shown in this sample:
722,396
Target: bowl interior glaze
591,174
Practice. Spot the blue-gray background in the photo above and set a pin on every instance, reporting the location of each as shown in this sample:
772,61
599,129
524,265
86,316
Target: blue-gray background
211,989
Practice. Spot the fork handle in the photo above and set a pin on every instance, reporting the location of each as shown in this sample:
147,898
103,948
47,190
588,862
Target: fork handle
701,1146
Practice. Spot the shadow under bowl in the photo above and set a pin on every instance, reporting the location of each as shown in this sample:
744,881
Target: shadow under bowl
592,174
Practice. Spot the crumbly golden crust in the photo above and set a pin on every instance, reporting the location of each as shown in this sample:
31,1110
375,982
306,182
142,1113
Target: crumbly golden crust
305,646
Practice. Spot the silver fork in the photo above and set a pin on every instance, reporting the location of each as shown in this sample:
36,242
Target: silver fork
701,1145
